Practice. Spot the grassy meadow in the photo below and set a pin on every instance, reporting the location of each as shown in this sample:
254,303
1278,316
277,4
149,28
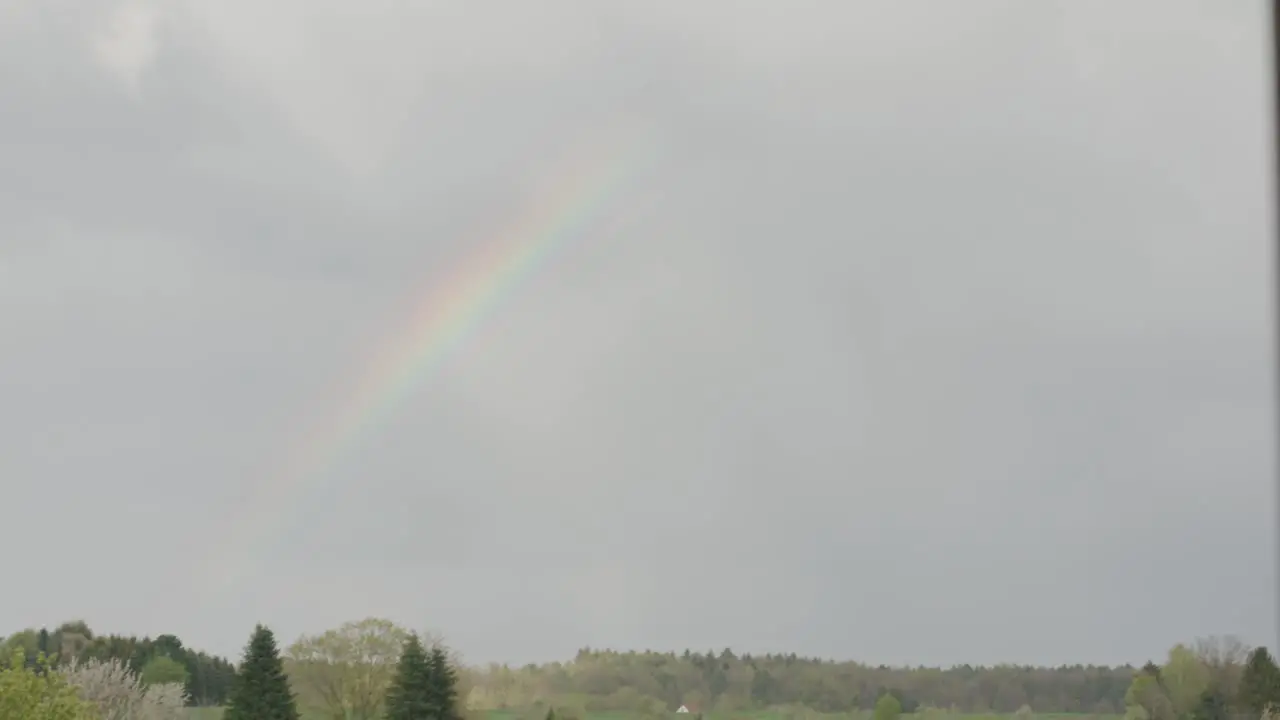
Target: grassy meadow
216,714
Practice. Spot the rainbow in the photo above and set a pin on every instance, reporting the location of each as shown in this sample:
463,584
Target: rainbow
444,316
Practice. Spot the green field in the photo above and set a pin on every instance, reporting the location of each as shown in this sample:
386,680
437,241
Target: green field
215,713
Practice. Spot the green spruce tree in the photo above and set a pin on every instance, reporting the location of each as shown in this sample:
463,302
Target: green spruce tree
443,685
260,690
410,696
1260,681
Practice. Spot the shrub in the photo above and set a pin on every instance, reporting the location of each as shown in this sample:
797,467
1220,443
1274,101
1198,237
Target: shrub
39,693
888,707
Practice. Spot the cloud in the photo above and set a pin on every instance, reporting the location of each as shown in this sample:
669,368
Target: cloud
126,47
973,298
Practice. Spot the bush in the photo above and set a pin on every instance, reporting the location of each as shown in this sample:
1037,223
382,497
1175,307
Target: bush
888,707
39,693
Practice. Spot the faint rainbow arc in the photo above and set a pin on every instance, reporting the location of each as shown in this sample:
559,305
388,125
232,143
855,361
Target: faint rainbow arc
441,322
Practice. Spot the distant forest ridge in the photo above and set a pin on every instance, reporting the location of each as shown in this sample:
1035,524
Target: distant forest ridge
650,682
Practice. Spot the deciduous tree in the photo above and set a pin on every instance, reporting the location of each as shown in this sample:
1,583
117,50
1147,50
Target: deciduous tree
163,670
1145,692
348,669
1184,678
117,693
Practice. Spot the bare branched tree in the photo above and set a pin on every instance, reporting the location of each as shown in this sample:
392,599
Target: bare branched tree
1224,656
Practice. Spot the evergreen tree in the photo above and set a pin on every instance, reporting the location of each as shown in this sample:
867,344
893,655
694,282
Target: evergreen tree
410,696
1260,681
443,685
260,690
42,649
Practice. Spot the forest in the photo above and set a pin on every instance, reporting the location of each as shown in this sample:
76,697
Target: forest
344,672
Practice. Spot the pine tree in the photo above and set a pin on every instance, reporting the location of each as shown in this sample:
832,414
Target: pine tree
410,696
260,690
1260,681
443,685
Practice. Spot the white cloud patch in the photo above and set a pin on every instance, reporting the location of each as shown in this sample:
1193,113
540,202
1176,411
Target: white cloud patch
128,43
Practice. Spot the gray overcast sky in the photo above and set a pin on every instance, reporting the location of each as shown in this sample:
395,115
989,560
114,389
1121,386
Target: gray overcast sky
936,332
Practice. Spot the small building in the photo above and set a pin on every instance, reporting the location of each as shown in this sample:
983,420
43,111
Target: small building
682,709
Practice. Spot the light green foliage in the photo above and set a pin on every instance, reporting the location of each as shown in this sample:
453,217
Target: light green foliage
569,712
929,712
346,671
1147,693
1136,712
626,685
775,684
27,694
888,707
163,670
26,641
1184,678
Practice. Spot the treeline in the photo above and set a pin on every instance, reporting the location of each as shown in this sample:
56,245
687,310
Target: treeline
727,682
413,682
206,679
344,671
